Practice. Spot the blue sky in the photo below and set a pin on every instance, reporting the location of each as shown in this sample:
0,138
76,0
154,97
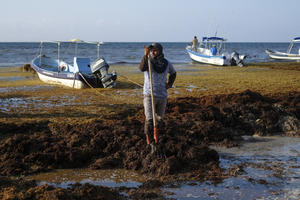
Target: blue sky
147,21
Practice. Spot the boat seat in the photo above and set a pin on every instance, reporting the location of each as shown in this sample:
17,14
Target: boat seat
82,65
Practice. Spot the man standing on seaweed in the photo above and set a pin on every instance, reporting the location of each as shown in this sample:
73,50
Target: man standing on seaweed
160,67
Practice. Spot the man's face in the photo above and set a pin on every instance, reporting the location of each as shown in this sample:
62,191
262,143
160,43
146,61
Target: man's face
154,53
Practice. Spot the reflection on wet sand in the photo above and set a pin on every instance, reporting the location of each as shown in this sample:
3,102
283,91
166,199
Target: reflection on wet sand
260,168
110,178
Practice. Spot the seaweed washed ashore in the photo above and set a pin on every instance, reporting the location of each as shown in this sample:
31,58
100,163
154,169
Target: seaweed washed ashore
35,142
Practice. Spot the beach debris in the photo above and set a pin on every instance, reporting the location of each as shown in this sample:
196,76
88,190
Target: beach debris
28,68
290,125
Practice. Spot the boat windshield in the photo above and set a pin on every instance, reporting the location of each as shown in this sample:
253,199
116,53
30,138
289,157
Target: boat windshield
295,44
210,42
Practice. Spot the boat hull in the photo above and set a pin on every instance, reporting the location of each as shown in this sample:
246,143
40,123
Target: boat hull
201,58
73,83
282,56
67,79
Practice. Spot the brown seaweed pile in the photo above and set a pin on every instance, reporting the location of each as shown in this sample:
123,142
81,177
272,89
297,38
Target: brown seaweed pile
190,126
21,189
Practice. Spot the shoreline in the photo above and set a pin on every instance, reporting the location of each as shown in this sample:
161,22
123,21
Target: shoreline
191,63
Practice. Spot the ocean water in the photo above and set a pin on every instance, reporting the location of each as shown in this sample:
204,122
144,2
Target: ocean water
20,53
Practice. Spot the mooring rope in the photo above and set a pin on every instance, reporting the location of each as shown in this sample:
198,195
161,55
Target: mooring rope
106,95
130,80
91,85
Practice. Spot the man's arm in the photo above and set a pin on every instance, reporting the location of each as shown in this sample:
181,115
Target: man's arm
172,76
171,80
144,63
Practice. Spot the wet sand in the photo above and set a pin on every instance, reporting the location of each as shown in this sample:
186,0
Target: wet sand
49,128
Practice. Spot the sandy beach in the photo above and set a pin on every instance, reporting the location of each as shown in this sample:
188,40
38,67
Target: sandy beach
212,112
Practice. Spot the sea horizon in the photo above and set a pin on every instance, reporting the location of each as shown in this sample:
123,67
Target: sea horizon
20,53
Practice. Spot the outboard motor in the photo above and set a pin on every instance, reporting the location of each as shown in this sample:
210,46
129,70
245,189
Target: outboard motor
100,69
236,59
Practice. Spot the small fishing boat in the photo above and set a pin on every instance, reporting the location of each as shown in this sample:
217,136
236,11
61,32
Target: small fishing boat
285,55
82,73
212,51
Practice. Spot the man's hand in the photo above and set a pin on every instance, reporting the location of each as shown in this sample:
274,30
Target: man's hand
146,51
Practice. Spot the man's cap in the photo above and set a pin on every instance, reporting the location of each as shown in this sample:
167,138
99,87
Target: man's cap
156,45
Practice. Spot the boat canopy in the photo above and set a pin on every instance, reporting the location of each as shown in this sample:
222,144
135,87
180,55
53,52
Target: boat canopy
76,41
73,41
297,39
212,39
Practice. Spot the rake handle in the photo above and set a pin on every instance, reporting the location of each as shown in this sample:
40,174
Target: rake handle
152,101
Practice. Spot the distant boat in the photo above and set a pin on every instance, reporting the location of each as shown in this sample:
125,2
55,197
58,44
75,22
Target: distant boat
81,74
212,51
288,55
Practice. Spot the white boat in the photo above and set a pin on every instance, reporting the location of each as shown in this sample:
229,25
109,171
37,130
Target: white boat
288,55
80,74
212,51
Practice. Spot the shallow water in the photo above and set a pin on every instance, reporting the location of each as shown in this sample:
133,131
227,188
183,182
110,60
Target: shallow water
133,92
270,169
16,78
24,88
24,104
110,178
